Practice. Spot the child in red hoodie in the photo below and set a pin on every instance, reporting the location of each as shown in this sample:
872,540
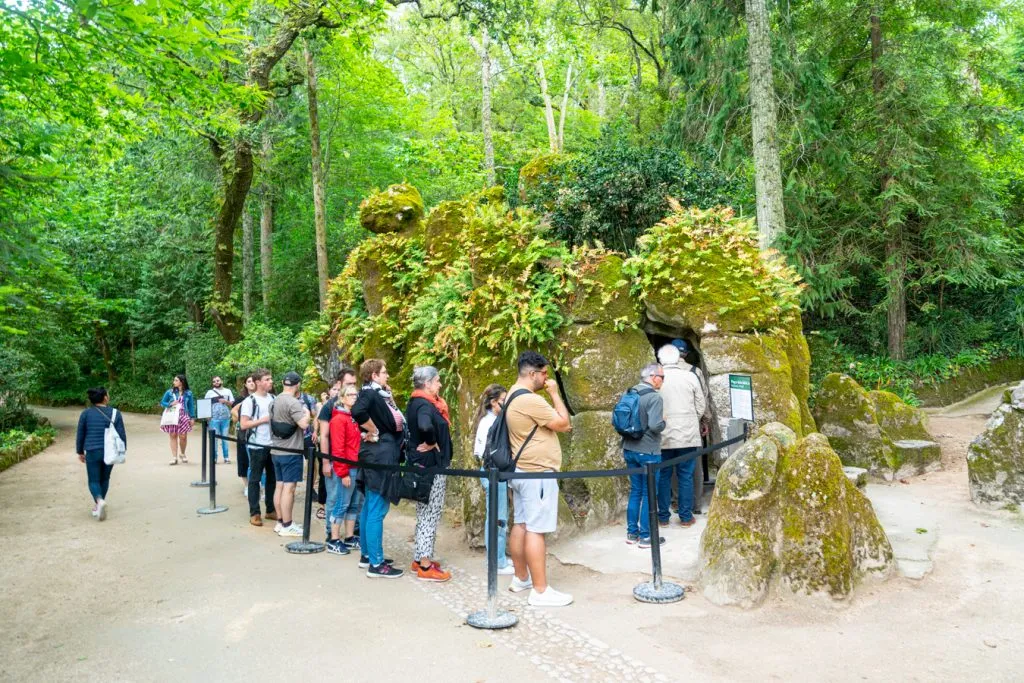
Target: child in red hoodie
345,441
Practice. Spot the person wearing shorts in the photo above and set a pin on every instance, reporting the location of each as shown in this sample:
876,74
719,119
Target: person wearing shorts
288,414
533,426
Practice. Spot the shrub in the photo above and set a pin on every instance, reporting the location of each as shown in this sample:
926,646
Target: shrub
263,346
19,378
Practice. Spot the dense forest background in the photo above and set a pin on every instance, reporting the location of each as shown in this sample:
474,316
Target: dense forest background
169,168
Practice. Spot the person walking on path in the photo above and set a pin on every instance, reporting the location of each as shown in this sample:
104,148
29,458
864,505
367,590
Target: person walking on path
89,441
289,417
642,451
254,413
375,411
684,404
346,499
241,449
430,444
221,400
533,425
179,397
487,413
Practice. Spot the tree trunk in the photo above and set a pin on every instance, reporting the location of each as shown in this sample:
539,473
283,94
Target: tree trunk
895,256
602,101
638,84
248,263
108,363
771,220
236,166
549,114
565,107
266,245
485,106
319,201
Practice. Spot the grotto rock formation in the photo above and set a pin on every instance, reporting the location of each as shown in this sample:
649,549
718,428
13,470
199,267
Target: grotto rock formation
995,459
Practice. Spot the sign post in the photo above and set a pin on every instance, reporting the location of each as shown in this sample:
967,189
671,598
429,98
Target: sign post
204,409
741,397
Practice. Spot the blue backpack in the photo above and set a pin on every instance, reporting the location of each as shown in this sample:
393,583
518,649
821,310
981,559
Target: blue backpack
626,417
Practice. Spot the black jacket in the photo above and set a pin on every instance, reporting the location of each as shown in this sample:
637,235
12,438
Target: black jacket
91,424
370,405
426,425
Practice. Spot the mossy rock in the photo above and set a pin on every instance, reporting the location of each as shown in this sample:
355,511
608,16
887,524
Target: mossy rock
764,358
603,294
898,420
537,171
378,345
784,512
799,355
399,208
593,444
600,363
995,458
369,269
846,415
446,229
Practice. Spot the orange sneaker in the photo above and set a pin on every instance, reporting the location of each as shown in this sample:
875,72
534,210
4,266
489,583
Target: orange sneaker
433,574
415,566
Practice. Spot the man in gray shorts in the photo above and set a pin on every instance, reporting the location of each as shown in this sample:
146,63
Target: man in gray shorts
535,501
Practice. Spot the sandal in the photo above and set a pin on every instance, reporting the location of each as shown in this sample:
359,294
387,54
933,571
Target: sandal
320,514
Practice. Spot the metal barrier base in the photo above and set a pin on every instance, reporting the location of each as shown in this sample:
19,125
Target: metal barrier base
212,511
200,483
501,619
669,592
305,547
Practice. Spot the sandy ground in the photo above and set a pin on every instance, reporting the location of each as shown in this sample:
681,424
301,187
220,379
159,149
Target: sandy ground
158,592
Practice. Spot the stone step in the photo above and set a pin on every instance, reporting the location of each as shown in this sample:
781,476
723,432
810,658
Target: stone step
918,451
857,475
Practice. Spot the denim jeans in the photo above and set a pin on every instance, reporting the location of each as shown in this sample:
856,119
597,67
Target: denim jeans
371,537
344,503
260,464
502,519
98,473
221,427
638,519
684,476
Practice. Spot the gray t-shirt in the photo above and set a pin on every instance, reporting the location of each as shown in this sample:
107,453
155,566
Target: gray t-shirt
288,410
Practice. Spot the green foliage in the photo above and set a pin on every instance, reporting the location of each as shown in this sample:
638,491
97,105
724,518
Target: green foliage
616,189
264,346
18,379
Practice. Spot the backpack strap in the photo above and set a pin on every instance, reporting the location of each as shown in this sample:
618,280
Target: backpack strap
529,436
113,415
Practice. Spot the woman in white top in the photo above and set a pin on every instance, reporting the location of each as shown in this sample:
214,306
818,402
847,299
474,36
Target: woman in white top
489,410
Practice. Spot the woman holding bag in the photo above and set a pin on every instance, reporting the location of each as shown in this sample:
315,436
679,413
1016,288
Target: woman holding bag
92,423
179,416
430,445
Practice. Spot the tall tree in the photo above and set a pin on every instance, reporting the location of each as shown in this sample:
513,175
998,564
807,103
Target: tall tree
248,264
483,51
319,200
549,113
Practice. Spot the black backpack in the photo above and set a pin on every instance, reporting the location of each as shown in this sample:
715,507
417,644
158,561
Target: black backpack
498,450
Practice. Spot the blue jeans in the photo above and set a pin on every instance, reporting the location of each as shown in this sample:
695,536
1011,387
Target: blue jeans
684,474
344,503
330,480
371,527
638,520
502,519
98,473
221,427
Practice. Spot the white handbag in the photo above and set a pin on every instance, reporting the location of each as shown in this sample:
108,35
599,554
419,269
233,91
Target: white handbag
113,445
171,416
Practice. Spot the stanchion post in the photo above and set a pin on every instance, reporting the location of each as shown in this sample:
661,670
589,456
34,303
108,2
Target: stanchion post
212,509
492,618
656,590
207,441
305,546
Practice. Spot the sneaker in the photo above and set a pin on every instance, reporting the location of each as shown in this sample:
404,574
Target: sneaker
271,515
688,524
434,573
518,586
662,522
352,541
415,566
226,461
95,512
255,520
507,570
632,538
337,547
549,598
101,510
245,490
364,561
277,527
291,530
646,542
384,571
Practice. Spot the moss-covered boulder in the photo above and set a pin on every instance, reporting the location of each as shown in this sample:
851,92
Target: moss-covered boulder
593,444
537,171
995,458
399,208
875,430
599,363
446,230
785,514
602,293
764,358
799,355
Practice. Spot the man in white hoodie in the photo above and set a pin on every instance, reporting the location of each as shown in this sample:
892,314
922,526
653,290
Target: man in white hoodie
684,403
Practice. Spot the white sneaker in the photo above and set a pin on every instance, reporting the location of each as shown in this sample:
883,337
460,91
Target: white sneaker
518,586
549,598
245,490
278,527
95,512
101,510
507,570
293,530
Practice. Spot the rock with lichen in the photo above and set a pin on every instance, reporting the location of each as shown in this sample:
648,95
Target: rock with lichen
785,515
995,458
399,208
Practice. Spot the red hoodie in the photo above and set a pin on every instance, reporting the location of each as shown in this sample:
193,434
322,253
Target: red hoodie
345,440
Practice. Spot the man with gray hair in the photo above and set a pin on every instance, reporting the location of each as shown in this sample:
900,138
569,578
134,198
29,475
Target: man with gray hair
684,403
643,450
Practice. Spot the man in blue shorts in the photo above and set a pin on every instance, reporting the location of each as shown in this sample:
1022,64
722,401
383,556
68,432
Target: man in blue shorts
289,418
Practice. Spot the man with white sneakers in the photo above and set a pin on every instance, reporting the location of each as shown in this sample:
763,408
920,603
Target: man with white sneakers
532,429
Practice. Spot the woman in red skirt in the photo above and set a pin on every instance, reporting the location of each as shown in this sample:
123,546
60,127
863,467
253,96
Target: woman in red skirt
179,398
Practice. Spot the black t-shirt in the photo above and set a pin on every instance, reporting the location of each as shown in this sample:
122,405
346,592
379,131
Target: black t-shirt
325,410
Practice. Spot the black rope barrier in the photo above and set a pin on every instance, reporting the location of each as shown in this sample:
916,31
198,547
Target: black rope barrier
655,591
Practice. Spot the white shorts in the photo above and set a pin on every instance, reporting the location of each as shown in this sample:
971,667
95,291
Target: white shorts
535,504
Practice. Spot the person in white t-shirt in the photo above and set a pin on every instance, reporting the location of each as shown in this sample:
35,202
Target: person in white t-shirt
490,407
254,414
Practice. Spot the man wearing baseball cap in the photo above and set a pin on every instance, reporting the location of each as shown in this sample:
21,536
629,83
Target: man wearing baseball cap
289,417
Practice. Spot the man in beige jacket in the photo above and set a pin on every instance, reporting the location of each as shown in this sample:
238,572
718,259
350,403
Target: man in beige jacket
684,404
